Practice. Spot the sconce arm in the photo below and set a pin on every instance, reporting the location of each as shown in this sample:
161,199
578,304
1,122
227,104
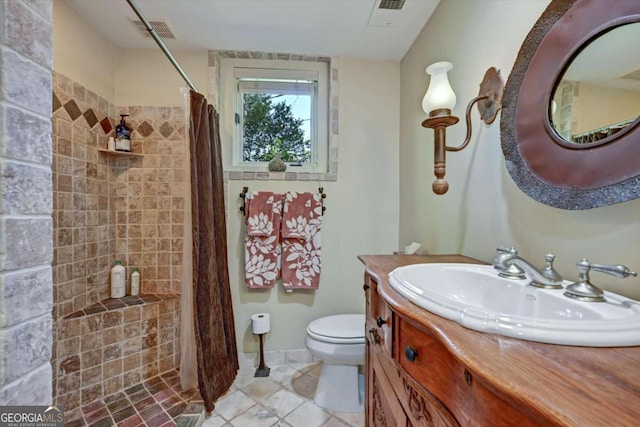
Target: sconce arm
467,116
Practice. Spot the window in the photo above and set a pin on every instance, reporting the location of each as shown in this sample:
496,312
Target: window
280,108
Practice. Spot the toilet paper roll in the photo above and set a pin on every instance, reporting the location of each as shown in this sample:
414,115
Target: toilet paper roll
260,323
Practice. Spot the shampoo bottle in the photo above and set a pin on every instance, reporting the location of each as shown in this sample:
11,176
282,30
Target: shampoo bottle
117,280
123,135
111,145
135,281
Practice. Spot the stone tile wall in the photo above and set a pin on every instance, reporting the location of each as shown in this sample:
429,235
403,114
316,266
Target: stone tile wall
109,207
26,58
103,353
149,197
83,188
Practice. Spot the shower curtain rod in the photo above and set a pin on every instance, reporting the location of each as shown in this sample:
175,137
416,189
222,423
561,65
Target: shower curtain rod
161,44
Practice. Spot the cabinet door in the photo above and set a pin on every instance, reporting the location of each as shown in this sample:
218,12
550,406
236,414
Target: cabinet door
384,409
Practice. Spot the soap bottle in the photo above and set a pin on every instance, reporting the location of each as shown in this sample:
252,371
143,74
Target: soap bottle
123,135
117,280
111,145
135,281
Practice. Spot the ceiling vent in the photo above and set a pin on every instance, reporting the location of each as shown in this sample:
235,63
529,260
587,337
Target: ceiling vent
161,27
634,75
391,4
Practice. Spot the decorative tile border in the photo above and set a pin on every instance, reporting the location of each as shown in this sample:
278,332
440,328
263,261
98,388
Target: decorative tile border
334,129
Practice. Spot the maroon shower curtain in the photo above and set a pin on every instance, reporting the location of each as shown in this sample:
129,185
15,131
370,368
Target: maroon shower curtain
213,313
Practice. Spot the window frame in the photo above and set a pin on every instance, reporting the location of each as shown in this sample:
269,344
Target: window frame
231,69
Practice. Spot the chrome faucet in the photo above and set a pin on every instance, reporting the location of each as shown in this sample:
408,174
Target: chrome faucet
512,266
584,290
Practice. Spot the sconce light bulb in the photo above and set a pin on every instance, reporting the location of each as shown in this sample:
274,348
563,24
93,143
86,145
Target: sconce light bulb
439,94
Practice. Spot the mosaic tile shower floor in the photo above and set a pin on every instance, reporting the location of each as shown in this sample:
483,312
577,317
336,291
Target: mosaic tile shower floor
159,401
284,399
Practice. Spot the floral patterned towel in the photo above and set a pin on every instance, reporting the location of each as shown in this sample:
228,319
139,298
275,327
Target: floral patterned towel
259,213
262,247
301,240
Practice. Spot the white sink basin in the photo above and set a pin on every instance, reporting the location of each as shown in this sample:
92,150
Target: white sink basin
477,298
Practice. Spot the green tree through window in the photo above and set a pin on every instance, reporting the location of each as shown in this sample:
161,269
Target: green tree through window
270,128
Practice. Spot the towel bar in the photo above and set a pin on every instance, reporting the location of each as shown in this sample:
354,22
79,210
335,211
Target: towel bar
243,196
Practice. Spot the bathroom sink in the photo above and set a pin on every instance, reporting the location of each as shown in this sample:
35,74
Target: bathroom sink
476,297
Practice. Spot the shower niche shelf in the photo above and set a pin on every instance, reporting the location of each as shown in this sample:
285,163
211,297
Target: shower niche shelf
120,153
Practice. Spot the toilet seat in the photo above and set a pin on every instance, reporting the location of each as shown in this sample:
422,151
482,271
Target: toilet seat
338,329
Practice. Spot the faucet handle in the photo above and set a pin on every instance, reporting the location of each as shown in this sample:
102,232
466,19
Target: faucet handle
619,271
584,290
548,271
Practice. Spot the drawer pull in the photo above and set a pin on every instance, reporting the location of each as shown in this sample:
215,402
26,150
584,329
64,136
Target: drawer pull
380,321
410,354
365,287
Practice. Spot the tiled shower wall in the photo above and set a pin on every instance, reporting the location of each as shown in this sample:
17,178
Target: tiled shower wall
83,187
109,207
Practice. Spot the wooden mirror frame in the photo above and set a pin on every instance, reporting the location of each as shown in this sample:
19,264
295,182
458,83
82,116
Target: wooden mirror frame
541,163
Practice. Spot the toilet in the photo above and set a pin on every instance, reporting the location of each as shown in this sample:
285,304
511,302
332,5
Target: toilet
339,341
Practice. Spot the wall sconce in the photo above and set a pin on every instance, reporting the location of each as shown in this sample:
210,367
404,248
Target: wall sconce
438,103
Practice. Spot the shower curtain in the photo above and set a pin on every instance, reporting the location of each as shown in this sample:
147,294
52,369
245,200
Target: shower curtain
216,354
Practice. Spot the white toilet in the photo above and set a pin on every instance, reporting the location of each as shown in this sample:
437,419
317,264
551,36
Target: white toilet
339,341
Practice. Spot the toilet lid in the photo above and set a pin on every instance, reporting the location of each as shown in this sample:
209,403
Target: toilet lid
343,328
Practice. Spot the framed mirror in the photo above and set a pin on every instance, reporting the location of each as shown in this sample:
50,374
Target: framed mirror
570,125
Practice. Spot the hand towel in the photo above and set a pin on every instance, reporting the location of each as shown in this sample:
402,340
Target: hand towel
301,240
262,249
259,213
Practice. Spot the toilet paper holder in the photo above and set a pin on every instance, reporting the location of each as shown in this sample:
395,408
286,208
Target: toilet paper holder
260,325
262,370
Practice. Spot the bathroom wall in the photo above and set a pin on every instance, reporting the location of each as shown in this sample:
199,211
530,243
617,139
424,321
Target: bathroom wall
483,207
596,106
122,76
74,41
146,77
361,215
26,246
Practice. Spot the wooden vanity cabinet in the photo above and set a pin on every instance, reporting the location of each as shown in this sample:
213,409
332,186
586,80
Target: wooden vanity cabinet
424,370
394,398
431,365
413,380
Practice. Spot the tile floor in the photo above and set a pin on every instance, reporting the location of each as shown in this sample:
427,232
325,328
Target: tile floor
285,398
159,401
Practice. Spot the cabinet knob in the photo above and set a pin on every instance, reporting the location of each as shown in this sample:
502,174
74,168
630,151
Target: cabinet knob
410,354
380,321
365,287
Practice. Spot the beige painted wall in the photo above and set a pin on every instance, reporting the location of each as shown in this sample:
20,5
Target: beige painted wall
483,207
361,216
81,53
121,76
598,106
146,77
